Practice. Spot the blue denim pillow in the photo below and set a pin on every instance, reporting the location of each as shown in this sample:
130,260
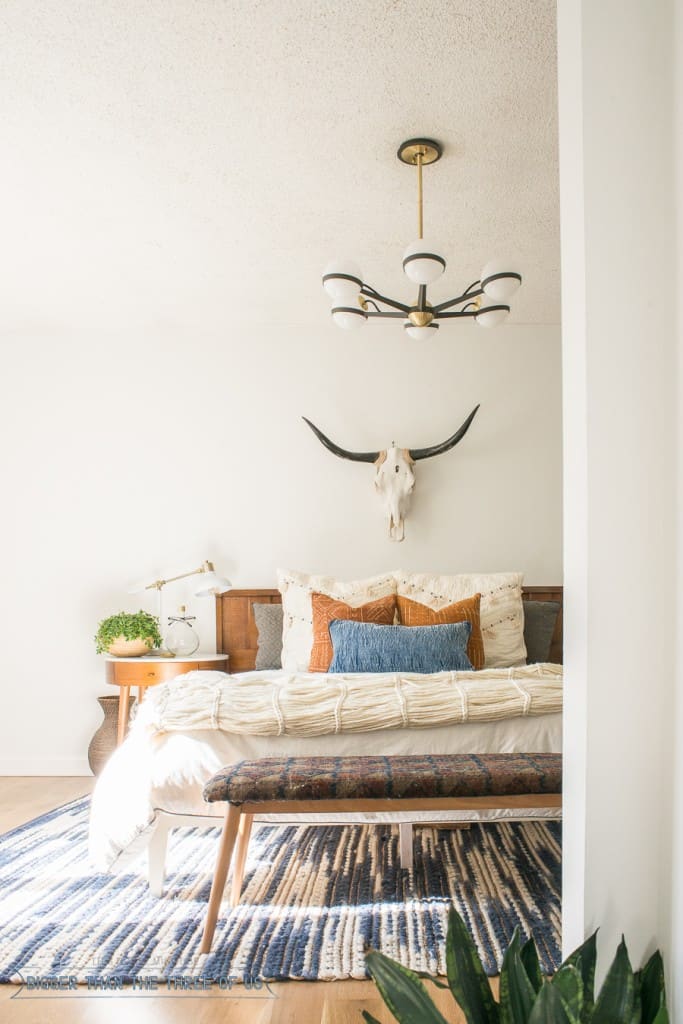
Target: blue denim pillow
366,647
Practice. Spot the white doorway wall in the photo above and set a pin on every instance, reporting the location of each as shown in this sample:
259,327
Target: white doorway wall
619,197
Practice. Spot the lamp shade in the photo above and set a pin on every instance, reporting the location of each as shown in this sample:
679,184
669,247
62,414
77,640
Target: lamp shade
348,317
210,583
425,333
138,588
342,280
423,262
499,280
491,316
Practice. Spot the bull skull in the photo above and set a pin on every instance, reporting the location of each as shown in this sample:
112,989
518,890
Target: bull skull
394,476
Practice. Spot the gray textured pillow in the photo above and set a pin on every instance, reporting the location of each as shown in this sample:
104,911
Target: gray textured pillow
268,618
539,625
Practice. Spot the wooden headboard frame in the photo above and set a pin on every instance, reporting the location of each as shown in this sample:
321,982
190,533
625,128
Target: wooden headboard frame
236,629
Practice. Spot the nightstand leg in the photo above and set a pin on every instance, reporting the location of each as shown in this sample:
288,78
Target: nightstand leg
123,714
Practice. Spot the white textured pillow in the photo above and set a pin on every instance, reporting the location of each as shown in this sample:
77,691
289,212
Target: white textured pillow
501,609
297,626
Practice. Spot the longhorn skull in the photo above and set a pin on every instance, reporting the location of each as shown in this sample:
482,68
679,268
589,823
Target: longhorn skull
394,476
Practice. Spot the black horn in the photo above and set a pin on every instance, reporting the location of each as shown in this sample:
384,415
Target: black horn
439,449
342,452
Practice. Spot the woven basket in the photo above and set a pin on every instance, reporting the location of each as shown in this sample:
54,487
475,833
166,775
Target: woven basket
103,743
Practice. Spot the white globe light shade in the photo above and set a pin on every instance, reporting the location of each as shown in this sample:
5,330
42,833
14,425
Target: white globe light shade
491,316
348,318
342,281
499,280
423,263
420,333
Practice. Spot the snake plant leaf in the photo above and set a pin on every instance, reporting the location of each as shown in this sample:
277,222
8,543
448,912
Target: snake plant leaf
614,1004
402,991
528,954
466,976
549,1007
652,988
584,959
570,986
517,994
637,1007
369,1018
662,1015
430,977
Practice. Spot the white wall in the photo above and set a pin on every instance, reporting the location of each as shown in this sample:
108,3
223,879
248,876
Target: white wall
621,405
131,454
676,969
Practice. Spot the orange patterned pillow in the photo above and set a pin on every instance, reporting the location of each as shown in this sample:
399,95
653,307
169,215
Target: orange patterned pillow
412,613
325,609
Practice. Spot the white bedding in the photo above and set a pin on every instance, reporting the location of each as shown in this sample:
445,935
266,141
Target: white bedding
166,771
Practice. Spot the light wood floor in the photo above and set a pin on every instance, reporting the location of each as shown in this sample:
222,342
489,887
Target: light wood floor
294,1002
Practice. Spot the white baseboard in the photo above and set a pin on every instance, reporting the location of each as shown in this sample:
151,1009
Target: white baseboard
45,766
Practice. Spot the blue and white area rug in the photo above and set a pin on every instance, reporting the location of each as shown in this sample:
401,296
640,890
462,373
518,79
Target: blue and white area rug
314,898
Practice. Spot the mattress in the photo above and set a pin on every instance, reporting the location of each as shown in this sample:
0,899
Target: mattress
166,772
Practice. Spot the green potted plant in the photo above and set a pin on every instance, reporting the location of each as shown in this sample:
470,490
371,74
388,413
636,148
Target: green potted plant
128,634
626,996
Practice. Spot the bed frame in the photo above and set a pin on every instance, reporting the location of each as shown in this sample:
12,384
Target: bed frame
237,637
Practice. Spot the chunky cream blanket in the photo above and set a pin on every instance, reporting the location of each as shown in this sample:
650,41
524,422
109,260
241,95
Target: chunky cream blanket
313,704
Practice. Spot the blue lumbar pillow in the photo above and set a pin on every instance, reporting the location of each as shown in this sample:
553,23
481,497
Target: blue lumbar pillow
366,647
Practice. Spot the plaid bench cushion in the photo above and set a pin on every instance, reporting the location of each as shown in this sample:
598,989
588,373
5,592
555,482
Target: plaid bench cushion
397,777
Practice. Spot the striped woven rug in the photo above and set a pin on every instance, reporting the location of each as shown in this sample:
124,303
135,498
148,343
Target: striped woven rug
314,898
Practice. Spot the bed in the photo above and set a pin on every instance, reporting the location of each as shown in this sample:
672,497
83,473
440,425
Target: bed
154,781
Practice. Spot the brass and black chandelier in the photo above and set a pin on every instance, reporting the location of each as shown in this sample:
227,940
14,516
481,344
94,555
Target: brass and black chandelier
354,301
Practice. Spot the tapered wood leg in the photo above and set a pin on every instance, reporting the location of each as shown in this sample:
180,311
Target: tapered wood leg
228,837
405,844
123,715
240,857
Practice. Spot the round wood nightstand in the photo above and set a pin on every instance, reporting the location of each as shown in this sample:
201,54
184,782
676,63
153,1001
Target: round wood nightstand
149,671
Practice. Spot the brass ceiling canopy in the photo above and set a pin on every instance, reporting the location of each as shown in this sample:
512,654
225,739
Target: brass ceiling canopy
354,301
428,149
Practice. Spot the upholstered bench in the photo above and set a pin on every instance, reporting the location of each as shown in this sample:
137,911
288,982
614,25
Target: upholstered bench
303,785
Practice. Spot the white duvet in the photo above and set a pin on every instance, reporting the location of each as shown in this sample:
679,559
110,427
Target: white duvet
164,764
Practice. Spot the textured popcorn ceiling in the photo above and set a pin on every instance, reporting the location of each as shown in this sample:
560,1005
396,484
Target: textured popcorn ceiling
197,162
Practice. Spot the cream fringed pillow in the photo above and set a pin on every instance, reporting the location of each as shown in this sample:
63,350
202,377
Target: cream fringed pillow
297,626
501,609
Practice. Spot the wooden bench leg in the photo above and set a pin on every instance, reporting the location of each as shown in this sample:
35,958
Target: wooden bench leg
228,837
240,857
405,844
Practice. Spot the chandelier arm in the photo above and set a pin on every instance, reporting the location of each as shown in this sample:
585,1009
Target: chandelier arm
457,312
465,297
370,293
386,313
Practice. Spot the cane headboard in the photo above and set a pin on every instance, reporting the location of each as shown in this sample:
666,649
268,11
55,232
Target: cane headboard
236,629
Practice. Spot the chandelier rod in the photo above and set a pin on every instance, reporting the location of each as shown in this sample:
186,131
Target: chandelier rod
419,194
